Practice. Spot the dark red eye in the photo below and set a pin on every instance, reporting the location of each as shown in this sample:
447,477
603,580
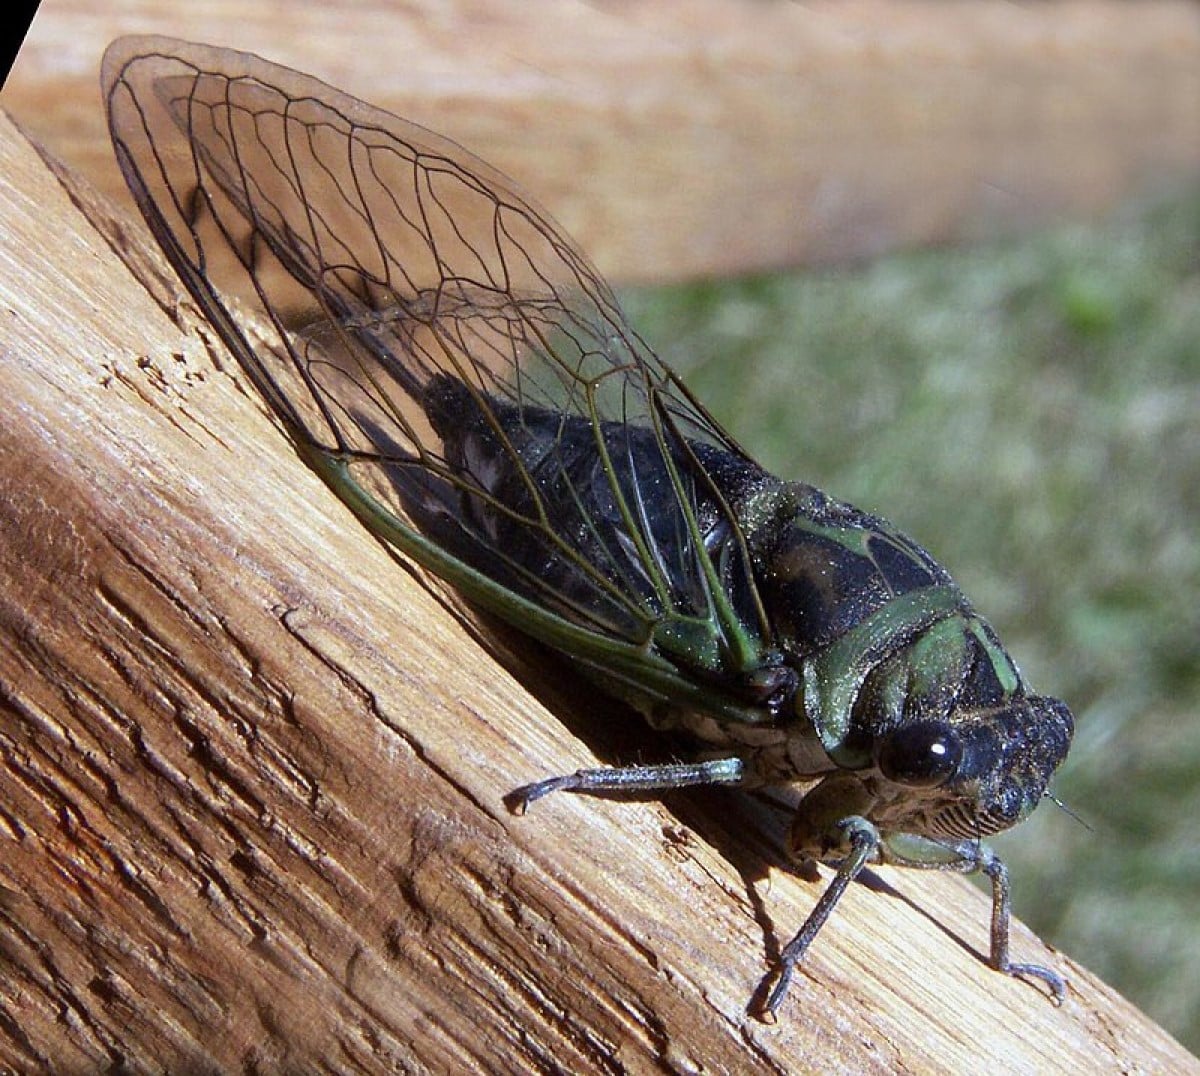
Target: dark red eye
924,755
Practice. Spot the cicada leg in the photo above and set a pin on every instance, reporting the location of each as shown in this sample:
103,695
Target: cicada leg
991,865
720,771
862,840
967,857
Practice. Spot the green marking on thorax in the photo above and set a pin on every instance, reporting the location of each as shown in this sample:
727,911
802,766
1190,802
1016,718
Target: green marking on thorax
935,656
834,676
1003,665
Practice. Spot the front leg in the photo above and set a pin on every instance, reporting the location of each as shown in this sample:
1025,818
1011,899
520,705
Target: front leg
967,857
994,868
830,826
861,842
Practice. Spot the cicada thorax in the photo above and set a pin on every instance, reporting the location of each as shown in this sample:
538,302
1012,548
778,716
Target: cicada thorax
831,566
908,690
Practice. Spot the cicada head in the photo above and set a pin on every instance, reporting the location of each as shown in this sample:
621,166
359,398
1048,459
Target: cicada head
974,774
948,741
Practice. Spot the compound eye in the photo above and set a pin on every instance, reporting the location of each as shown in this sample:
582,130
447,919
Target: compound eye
924,755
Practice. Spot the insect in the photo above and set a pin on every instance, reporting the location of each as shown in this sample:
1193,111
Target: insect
459,374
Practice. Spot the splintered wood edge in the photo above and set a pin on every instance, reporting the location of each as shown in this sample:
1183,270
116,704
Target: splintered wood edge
710,137
254,772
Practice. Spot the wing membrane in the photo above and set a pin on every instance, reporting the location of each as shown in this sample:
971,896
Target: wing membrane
437,337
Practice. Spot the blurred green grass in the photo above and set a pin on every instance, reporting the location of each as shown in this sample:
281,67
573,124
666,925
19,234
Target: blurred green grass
1029,411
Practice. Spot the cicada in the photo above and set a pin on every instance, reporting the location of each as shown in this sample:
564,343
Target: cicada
446,359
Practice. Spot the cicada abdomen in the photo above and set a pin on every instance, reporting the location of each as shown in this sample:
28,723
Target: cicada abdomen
455,369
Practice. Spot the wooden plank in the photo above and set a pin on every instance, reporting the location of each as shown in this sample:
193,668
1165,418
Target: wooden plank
710,137
253,773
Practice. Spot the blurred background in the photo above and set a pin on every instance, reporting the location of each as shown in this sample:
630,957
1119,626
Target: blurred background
942,261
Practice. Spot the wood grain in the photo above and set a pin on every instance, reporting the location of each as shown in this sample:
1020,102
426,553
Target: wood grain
710,137
253,769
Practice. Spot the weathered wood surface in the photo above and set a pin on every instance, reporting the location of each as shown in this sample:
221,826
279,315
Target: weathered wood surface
253,769
710,137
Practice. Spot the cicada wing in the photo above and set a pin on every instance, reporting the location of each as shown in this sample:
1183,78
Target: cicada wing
434,331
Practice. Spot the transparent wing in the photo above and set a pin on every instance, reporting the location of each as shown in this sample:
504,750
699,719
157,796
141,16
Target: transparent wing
438,336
